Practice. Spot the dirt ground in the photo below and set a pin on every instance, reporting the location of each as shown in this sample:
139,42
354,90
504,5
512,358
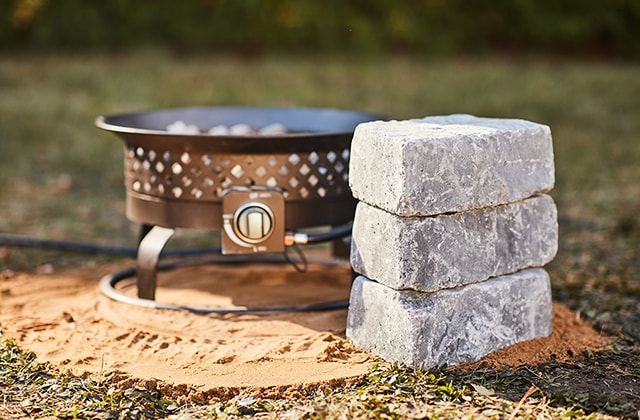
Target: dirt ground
66,321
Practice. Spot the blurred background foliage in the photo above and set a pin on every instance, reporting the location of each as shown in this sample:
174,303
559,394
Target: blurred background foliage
608,28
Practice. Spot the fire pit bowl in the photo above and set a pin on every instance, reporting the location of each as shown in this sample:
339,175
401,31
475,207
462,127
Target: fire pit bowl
179,180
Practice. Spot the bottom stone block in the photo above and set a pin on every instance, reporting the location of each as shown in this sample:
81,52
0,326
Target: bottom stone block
449,326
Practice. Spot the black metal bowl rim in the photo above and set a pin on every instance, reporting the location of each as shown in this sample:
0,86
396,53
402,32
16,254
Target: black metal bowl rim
109,122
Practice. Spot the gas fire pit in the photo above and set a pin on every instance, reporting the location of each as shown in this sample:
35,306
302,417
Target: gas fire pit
256,188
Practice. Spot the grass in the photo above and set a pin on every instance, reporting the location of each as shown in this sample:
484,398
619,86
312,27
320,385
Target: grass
32,389
61,178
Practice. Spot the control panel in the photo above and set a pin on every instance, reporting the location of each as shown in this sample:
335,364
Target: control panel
252,221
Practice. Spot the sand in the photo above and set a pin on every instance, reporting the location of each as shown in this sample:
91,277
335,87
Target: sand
66,321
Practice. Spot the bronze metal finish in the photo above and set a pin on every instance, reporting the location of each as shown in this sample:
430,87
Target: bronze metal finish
252,188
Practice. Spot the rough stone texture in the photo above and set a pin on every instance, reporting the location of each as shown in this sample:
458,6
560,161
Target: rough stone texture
450,326
449,163
440,252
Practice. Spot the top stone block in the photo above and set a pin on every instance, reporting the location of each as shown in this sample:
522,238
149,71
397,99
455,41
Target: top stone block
442,164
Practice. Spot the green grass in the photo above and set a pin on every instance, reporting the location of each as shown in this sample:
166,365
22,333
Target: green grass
32,389
388,391
48,104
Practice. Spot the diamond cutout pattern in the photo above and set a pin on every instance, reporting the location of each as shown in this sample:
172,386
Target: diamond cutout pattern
207,177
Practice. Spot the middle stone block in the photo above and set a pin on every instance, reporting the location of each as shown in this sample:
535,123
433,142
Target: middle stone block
428,254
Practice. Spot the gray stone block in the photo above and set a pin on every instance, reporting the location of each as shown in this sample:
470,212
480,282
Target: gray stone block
450,326
449,163
440,252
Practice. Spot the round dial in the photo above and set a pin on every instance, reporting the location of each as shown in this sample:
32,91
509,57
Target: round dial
253,222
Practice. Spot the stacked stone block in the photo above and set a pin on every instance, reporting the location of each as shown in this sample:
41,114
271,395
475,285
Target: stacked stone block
449,237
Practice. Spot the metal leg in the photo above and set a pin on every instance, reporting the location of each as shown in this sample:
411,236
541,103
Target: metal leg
148,255
144,229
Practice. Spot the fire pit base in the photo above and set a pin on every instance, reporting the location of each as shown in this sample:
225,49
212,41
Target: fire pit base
148,265
109,287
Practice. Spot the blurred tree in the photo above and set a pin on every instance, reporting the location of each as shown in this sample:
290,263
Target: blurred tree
418,26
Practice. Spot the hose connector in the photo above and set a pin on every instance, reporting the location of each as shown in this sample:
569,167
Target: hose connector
294,238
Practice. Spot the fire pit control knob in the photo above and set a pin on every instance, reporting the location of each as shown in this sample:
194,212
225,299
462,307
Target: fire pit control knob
254,222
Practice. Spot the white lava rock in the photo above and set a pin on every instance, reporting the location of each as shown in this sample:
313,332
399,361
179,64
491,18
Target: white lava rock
219,130
273,129
180,127
240,130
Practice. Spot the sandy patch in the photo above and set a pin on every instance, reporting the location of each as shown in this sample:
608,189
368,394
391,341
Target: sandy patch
65,320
